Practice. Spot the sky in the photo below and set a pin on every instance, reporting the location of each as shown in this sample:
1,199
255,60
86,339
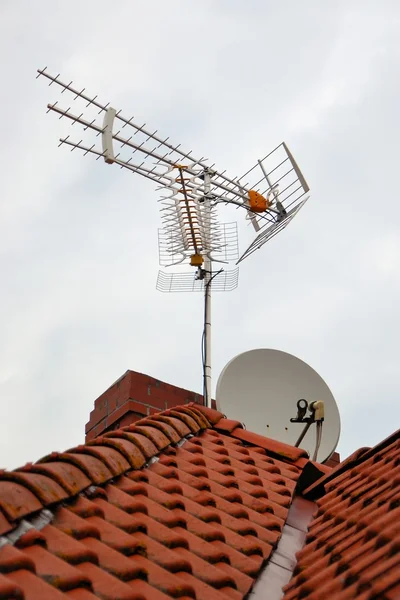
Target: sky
78,238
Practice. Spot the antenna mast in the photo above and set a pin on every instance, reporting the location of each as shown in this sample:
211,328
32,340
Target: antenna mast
207,302
192,190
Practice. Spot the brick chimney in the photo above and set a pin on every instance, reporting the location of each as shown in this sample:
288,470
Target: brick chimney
132,397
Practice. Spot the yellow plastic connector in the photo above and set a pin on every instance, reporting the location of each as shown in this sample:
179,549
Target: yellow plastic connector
196,260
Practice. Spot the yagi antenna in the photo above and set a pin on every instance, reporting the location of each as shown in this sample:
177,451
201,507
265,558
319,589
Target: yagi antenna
270,194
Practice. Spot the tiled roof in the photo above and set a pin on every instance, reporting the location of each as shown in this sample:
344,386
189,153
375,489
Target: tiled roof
182,504
353,545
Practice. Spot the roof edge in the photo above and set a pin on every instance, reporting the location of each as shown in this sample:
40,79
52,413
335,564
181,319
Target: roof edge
318,489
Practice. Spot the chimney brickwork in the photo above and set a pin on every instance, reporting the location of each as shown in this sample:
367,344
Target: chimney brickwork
131,398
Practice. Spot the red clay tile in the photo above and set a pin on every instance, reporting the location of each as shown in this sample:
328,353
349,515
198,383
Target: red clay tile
204,571
83,507
214,450
94,468
212,434
198,415
12,559
106,586
165,484
178,424
33,587
159,513
143,591
247,565
209,531
117,538
69,477
259,504
154,435
217,551
229,494
227,425
69,523
165,428
9,590
114,461
30,538
146,447
169,537
173,475
119,518
81,594
54,570
130,452
159,554
16,501
133,483
206,592
213,416
66,547
5,525
114,562
46,489
283,451
125,501
387,584
186,417
244,582
168,583
169,501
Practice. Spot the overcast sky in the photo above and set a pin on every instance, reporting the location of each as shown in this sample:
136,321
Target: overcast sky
78,239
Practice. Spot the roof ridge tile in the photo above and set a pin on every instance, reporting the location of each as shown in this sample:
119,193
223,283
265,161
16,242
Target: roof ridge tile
45,488
297,456
212,416
123,446
72,479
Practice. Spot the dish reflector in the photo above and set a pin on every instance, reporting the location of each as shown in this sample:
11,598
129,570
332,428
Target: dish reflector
261,388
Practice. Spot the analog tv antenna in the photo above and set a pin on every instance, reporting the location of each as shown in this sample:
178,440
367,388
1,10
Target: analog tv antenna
269,194
279,396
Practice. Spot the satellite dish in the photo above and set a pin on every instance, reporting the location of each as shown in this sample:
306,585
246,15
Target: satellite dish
262,388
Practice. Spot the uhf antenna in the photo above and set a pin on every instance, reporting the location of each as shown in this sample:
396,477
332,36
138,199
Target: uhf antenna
270,194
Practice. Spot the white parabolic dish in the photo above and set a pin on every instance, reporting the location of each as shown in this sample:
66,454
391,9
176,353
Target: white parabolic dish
260,388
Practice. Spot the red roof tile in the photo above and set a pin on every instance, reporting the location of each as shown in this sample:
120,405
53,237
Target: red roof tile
168,507
188,504
353,545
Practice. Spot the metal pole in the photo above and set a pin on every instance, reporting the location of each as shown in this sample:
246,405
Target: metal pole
207,297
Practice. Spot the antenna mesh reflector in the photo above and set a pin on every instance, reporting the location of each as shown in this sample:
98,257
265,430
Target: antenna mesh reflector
226,281
270,232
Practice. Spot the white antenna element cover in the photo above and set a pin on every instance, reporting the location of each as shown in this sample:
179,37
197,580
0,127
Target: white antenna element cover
260,388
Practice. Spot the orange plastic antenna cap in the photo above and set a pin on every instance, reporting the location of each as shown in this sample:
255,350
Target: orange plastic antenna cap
257,202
